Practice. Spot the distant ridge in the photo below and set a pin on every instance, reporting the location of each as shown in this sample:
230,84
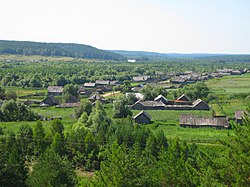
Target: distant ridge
56,49
202,56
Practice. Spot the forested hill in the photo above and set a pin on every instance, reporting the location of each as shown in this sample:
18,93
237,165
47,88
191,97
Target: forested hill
144,55
56,49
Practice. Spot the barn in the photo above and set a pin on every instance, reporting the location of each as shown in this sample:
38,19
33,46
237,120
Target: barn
189,120
142,118
148,105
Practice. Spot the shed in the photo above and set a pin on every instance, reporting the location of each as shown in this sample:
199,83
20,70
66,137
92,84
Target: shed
200,105
142,118
162,99
238,115
183,97
89,85
96,97
189,120
148,105
49,101
55,90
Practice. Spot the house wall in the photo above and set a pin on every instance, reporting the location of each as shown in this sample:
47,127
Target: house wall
201,106
142,120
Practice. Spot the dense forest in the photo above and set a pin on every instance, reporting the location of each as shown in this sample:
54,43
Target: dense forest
45,73
56,49
120,153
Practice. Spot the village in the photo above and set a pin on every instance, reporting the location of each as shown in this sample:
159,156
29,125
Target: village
100,89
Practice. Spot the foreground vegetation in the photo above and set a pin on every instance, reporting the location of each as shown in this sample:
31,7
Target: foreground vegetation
101,145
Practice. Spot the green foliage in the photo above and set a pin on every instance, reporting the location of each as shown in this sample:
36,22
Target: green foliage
51,170
10,95
56,49
98,121
25,141
85,106
15,111
121,109
13,171
39,138
150,93
196,91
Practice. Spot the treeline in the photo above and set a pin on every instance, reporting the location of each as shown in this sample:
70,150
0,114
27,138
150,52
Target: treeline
56,49
43,74
120,153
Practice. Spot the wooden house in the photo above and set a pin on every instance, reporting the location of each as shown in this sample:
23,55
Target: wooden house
55,90
68,105
200,105
89,85
142,118
183,97
189,120
238,115
96,97
161,98
85,91
49,101
141,78
148,105
72,99
102,82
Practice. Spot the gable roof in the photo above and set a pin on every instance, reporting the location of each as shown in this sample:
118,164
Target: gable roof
96,96
183,97
141,78
189,119
239,114
89,84
102,82
160,97
198,101
55,89
144,114
151,103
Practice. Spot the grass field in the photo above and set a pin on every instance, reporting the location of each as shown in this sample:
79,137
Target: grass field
230,84
172,116
233,93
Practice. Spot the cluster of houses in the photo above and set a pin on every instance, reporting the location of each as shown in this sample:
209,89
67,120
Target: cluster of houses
177,80
190,120
161,103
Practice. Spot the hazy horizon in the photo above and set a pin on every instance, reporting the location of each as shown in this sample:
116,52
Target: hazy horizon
163,26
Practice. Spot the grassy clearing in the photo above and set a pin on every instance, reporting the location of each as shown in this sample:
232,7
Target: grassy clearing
194,135
230,84
25,91
172,116
233,93
46,111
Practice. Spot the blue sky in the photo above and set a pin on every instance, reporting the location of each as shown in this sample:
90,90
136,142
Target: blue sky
184,26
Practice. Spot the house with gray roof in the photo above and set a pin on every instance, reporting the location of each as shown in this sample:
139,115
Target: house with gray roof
55,90
142,118
189,120
148,105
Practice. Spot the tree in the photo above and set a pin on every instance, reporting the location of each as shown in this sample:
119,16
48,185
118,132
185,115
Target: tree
25,141
150,93
121,109
39,138
13,171
85,106
11,95
2,93
70,89
99,122
51,170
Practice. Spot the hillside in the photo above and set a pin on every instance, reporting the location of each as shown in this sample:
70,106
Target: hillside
198,56
56,49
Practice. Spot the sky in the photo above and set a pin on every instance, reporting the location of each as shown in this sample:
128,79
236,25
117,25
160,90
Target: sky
167,26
